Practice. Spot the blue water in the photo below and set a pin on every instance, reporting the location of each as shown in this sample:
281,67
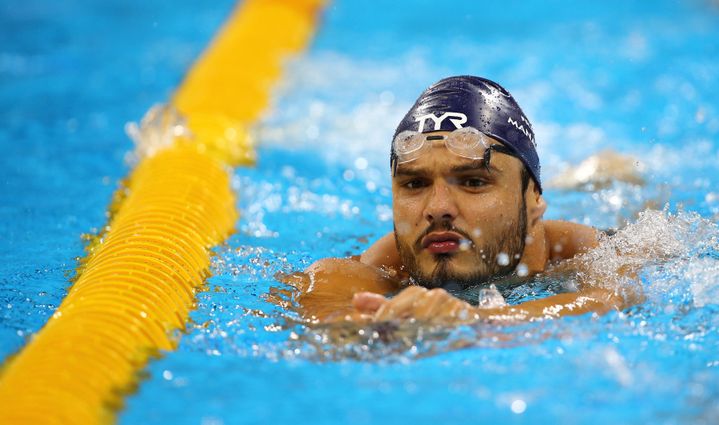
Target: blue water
626,76
71,74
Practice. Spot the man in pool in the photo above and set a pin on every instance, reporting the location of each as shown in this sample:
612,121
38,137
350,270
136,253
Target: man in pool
468,208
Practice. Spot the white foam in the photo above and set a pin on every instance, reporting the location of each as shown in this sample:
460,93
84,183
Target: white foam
157,130
662,252
490,298
703,273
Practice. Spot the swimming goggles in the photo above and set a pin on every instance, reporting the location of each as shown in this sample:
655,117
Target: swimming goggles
467,142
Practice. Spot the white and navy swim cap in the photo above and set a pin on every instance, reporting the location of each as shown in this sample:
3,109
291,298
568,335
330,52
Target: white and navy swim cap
466,101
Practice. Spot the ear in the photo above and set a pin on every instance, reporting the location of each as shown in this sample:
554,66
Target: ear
536,205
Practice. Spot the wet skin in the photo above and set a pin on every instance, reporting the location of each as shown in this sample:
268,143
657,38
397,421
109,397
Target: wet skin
458,221
455,222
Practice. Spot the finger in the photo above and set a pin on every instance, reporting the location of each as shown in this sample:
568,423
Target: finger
439,306
442,307
424,306
457,312
399,306
367,302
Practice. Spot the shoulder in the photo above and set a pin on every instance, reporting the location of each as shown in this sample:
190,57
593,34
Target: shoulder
383,253
332,274
565,239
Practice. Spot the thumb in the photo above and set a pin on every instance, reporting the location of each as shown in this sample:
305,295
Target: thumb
367,302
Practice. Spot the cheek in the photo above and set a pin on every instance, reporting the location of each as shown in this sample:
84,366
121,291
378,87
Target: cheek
488,217
407,215
486,211
402,228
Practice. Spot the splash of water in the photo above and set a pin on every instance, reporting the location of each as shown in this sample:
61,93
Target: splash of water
658,254
158,129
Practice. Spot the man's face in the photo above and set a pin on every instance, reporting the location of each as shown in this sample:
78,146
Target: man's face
456,223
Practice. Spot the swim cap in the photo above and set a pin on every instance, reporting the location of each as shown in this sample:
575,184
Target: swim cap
467,101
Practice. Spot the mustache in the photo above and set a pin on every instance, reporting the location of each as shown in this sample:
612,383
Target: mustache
441,225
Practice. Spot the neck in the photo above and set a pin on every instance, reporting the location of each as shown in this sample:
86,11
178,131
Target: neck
536,251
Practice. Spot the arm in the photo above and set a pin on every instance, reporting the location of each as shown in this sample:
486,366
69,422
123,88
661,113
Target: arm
438,306
326,288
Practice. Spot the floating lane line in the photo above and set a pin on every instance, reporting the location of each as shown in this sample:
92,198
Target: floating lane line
138,283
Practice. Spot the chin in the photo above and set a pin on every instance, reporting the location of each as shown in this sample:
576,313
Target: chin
441,273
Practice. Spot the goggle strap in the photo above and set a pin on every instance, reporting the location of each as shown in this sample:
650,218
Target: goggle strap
499,148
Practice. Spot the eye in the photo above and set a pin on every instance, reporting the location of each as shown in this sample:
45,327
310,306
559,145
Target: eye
472,182
415,183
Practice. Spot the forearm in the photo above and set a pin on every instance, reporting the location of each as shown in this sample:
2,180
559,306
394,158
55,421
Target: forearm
325,291
590,300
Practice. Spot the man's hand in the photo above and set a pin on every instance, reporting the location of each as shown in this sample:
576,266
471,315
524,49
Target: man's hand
346,290
435,306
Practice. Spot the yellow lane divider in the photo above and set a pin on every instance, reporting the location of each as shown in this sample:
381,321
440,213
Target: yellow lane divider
138,283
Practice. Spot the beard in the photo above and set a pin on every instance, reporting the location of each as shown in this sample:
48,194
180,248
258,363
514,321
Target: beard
510,243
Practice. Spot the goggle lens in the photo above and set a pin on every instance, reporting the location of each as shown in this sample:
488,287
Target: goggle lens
466,142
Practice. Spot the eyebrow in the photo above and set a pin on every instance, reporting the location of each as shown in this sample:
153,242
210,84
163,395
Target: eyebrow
407,171
476,165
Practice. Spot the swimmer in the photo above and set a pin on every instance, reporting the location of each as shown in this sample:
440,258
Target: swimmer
468,210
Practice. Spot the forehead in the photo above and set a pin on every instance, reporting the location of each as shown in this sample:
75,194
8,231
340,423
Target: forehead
442,161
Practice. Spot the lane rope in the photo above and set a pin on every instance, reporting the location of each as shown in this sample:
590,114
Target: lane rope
138,283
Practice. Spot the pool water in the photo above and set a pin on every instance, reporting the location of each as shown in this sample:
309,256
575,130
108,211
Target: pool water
625,76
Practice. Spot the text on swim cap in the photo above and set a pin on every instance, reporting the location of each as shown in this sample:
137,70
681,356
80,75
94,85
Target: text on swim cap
456,118
521,128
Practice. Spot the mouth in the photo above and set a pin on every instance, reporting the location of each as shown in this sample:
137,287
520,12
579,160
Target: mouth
442,243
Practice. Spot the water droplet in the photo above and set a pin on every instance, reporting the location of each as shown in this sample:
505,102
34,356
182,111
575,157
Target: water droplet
503,259
519,406
361,163
403,227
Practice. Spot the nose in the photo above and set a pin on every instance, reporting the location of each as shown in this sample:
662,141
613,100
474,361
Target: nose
440,204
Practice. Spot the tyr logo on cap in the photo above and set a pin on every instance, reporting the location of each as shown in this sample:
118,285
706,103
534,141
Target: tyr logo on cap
456,118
